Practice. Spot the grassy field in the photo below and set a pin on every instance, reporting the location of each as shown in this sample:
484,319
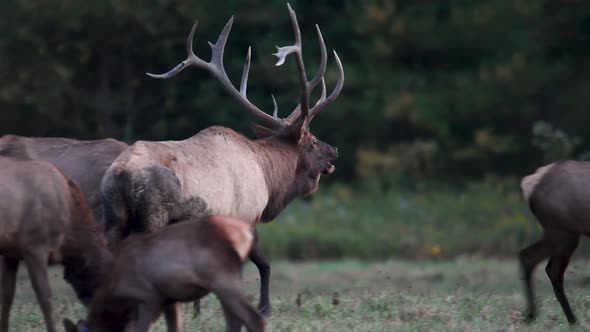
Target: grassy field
463,294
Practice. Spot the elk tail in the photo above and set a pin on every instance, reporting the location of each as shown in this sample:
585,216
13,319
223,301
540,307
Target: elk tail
530,182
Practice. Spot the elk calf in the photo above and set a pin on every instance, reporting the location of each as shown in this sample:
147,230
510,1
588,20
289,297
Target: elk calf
185,261
558,195
44,219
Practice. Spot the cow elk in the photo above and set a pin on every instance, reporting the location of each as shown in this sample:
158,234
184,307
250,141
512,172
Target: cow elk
220,171
181,262
558,196
45,220
85,162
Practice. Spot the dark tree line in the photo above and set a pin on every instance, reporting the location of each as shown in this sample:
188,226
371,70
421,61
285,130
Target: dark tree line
433,88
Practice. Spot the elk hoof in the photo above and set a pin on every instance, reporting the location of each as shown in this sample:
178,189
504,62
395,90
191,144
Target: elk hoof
572,320
265,311
529,317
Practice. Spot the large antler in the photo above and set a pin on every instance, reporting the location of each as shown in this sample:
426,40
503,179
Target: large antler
215,67
308,86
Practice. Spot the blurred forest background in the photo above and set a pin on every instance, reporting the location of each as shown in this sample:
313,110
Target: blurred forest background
445,103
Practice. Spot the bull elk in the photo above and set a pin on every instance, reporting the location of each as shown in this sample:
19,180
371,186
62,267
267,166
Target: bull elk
45,220
557,195
85,162
181,262
220,171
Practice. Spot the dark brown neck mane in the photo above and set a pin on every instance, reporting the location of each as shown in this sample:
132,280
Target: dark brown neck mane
284,172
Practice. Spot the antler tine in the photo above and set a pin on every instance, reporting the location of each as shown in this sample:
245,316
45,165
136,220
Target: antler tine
296,48
323,96
275,111
191,59
215,67
295,114
317,78
218,48
323,61
189,40
334,94
244,82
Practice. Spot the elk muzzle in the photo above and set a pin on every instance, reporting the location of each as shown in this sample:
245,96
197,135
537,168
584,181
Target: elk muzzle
330,154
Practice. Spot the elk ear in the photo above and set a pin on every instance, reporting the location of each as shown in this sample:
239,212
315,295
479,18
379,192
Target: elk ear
69,326
302,132
294,133
262,132
297,133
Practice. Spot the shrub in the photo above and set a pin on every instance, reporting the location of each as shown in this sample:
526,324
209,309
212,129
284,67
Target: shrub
488,217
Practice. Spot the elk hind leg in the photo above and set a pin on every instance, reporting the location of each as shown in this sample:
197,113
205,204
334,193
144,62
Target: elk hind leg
173,316
261,262
564,247
9,273
196,308
37,267
529,258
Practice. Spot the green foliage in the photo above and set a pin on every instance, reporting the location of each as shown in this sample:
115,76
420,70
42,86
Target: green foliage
459,82
488,217
554,143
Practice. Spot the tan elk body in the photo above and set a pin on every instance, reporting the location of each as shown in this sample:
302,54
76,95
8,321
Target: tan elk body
558,196
220,171
227,158
154,272
44,219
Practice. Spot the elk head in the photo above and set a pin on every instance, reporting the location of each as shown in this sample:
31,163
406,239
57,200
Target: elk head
315,157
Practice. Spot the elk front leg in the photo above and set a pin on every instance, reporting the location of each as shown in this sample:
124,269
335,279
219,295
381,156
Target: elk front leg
258,258
9,273
232,322
37,267
237,309
146,314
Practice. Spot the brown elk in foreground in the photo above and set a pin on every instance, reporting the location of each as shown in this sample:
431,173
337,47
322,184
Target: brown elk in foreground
220,171
557,195
85,162
181,262
44,219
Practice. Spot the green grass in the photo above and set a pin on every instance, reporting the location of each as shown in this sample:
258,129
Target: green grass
488,217
463,294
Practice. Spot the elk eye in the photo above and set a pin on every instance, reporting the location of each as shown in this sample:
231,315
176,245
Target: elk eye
314,142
